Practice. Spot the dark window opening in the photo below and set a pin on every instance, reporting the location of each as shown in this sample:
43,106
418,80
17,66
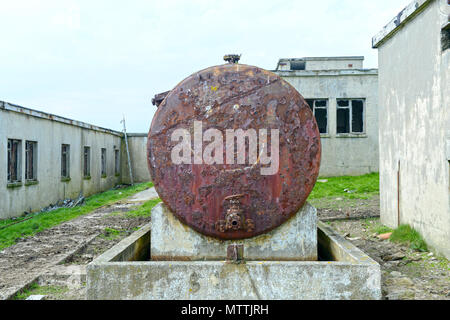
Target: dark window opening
343,103
343,121
87,162
30,160
350,116
445,37
65,161
320,111
298,65
357,116
103,162
14,160
321,119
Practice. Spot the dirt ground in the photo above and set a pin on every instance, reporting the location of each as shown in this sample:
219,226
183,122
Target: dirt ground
41,258
406,274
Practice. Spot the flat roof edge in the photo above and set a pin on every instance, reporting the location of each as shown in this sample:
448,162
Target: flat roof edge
408,13
325,58
337,72
48,116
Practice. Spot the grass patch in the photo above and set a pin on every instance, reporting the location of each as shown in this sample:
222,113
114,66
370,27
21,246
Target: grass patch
373,225
110,233
46,220
407,235
349,187
380,229
41,290
144,210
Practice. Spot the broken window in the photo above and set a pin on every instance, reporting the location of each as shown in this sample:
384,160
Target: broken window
298,65
87,162
350,116
445,37
31,160
65,161
116,162
320,111
103,162
14,160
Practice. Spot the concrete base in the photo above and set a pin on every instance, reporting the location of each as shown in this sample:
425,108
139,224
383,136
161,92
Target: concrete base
350,274
296,239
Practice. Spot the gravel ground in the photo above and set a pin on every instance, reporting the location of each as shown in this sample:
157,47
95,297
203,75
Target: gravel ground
406,274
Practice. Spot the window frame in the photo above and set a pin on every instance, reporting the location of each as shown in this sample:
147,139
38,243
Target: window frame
350,118
86,162
313,108
18,161
103,163
34,162
65,154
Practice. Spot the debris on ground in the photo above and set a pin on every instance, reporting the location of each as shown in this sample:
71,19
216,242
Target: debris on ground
66,203
384,236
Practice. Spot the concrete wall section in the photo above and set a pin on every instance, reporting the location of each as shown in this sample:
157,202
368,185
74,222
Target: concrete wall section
50,135
137,144
415,125
343,154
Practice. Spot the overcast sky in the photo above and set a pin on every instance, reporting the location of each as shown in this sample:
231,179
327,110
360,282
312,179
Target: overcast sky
96,60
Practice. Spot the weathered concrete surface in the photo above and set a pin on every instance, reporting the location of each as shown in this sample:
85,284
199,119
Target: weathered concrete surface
136,247
330,79
414,118
355,276
295,239
219,280
137,144
323,63
50,131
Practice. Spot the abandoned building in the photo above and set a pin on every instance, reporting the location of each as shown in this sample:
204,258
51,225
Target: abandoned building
344,99
414,120
47,158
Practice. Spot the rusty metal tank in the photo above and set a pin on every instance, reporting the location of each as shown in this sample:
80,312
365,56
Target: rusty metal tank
233,200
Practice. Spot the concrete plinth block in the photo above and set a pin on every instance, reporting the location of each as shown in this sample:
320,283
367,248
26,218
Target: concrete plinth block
296,239
346,273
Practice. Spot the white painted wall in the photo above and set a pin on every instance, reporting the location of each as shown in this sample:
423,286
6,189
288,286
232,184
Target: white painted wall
415,126
324,63
50,135
343,154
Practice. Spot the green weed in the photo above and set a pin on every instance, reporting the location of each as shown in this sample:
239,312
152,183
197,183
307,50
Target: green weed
46,220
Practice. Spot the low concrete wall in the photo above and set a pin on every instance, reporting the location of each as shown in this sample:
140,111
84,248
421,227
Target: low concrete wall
355,276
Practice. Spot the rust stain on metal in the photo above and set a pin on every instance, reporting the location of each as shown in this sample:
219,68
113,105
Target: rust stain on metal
234,201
